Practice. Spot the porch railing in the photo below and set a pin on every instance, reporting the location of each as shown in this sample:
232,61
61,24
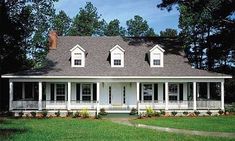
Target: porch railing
54,104
76,104
208,104
24,104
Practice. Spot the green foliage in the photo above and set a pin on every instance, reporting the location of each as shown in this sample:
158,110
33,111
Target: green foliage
113,28
57,113
20,114
44,113
209,112
133,111
61,23
174,113
149,112
156,114
76,115
84,113
86,22
103,112
162,112
221,112
185,113
197,113
168,33
69,114
33,114
138,27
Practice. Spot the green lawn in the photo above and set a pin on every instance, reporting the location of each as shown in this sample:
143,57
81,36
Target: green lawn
64,129
220,123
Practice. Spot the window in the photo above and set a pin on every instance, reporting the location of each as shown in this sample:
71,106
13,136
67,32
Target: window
60,92
77,62
173,91
86,92
147,91
117,62
156,62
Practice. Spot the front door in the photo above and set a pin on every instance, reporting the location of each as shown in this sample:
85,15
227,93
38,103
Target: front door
116,94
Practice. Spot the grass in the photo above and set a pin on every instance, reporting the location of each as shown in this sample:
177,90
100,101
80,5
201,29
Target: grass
64,129
218,124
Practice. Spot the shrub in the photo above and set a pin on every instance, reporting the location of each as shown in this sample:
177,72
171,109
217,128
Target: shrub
197,113
185,113
157,114
76,115
162,112
102,112
70,114
174,113
57,114
20,114
133,111
149,112
33,114
84,113
209,112
98,116
44,114
221,112
141,115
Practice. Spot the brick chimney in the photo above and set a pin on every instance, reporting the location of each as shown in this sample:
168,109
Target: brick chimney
53,37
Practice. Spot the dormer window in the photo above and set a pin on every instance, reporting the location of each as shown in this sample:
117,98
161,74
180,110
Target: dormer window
156,56
117,56
77,56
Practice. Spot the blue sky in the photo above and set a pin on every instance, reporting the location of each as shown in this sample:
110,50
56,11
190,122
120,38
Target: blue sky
125,10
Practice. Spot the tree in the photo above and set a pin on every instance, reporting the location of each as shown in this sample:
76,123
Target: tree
138,27
86,22
61,23
168,33
113,28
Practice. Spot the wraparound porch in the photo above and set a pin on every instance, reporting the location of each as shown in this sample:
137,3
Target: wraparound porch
116,96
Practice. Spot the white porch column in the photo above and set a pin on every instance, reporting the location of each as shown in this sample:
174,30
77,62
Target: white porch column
194,95
98,97
166,95
23,90
208,90
10,95
69,96
39,95
222,95
198,89
138,96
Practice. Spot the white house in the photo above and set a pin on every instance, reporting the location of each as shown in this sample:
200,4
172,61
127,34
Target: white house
116,74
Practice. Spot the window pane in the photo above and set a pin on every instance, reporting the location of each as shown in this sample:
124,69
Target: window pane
173,89
117,62
147,91
86,91
60,89
88,98
77,62
172,97
156,62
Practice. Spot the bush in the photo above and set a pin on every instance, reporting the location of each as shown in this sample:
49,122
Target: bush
98,116
44,114
102,112
76,115
149,112
185,113
20,114
221,112
141,115
70,114
209,112
174,113
57,114
197,113
33,114
162,112
84,113
133,111
157,114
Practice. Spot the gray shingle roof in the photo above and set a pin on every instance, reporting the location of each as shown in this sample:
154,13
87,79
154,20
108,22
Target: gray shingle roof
97,58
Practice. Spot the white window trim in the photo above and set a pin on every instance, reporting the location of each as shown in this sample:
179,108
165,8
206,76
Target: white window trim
73,56
175,94
142,91
112,58
156,50
81,94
